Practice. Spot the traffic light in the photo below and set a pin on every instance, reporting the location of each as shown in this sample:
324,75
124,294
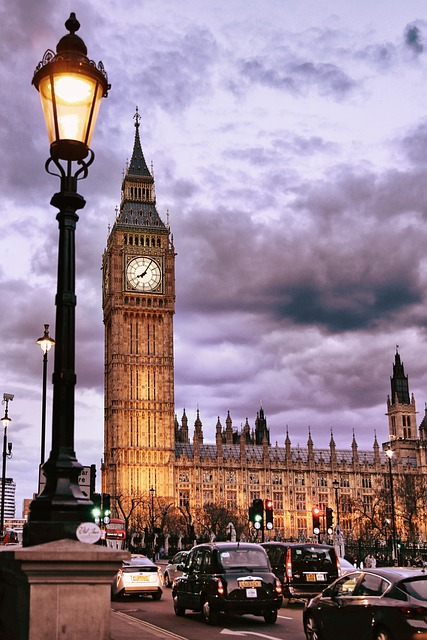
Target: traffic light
256,514
96,511
106,509
329,520
269,514
316,520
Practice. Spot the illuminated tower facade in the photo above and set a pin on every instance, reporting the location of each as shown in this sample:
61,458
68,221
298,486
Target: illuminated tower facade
138,308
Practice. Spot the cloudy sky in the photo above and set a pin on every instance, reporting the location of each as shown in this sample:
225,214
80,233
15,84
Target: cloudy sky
289,143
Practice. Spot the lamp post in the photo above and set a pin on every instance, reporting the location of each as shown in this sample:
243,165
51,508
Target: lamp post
71,88
336,486
7,453
46,343
389,454
152,492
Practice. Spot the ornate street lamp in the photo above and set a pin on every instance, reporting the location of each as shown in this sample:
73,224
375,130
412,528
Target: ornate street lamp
389,454
46,343
7,453
71,88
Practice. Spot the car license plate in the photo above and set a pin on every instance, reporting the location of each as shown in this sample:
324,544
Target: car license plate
251,593
140,578
315,577
249,584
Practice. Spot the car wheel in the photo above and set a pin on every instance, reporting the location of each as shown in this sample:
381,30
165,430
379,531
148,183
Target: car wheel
210,616
168,583
179,611
382,634
271,616
311,628
157,595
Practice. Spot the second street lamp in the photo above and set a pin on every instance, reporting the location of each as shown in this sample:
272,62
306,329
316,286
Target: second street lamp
389,454
46,343
152,492
71,88
7,453
336,486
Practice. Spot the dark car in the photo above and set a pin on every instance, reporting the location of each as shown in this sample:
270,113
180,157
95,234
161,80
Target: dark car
303,569
228,577
373,604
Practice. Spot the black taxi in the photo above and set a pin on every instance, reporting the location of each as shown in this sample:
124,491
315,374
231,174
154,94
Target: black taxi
227,577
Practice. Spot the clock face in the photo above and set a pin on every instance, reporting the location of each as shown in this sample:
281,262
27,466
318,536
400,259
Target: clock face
144,274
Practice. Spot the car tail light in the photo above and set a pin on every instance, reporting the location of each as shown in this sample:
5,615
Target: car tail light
220,587
414,613
278,586
289,565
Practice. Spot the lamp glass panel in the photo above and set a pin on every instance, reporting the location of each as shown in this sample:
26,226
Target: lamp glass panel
74,96
45,345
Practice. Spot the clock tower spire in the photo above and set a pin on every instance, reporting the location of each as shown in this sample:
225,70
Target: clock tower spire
138,307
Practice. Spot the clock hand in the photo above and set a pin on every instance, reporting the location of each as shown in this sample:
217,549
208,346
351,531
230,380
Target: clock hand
141,275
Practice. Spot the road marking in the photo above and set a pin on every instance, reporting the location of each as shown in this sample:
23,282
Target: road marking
248,633
285,617
157,632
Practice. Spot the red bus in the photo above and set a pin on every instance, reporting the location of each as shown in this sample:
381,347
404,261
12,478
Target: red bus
115,533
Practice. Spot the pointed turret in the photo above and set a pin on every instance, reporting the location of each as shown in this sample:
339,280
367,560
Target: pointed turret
310,448
288,451
355,455
218,439
198,429
228,429
138,205
401,410
399,382
377,459
261,428
333,450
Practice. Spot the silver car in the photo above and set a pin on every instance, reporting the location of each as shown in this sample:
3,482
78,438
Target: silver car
138,576
171,572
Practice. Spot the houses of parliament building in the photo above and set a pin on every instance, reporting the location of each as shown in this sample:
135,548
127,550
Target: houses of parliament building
147,447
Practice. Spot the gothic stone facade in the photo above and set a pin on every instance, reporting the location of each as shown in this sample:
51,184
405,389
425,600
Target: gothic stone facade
146,447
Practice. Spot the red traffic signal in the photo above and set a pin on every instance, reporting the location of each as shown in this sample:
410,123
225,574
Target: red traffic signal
316,519
269,514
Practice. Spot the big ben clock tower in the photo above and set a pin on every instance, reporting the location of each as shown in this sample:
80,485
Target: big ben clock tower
138,303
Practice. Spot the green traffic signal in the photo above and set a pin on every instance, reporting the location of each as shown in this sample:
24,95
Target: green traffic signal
96,511
257,513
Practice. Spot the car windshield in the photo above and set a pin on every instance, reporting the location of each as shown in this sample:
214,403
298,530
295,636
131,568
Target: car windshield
306,557
417,587
139,562
243,558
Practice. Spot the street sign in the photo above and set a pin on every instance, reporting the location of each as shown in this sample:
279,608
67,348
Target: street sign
84,480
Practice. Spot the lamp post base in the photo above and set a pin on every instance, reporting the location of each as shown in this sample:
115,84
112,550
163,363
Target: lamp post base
60,508
62,524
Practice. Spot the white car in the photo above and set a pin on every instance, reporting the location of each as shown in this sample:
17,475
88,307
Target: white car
171,571
138,576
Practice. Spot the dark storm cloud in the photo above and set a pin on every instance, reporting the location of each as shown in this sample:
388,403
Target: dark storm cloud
414,39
